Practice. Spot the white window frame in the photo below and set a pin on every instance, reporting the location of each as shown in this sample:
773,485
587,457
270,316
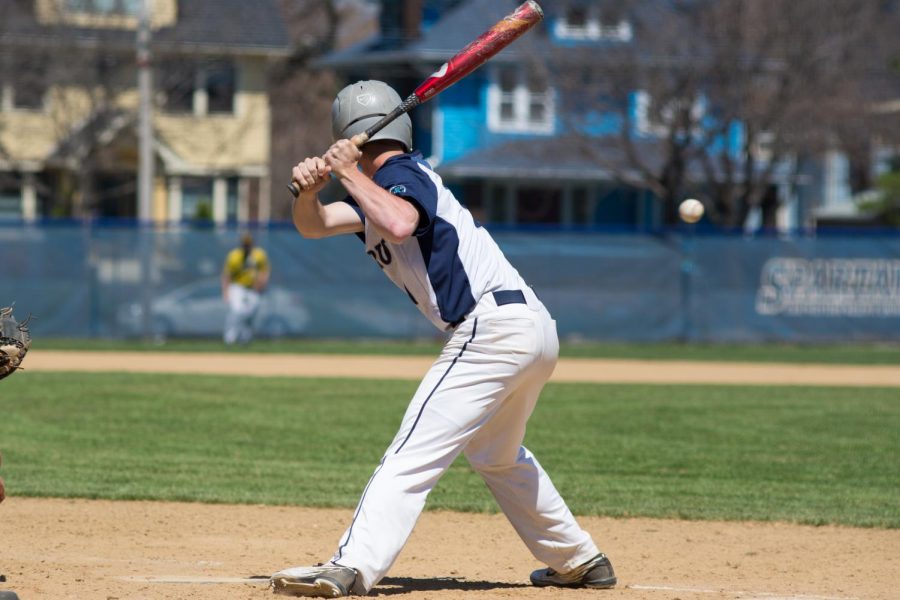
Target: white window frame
115,8
8,101
522,99
762,146
6,97
647,126
593,29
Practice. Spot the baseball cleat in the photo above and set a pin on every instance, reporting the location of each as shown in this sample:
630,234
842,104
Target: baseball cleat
326,581
595,573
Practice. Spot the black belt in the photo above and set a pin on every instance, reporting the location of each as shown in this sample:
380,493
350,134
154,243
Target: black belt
509,297
501,297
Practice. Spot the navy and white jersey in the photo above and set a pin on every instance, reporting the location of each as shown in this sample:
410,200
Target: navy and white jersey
450,261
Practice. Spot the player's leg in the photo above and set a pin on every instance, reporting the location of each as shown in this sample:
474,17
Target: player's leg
233,317
456,397
522,488
249,309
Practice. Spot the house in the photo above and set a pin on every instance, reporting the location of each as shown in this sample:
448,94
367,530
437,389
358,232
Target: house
69,105
513,140
495,136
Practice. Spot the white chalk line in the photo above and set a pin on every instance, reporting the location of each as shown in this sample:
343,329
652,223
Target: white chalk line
744,594
195,579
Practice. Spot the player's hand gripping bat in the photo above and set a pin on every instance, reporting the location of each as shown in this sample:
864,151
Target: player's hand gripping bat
464,62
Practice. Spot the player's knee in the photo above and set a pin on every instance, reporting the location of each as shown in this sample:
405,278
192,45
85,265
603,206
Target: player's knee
491,464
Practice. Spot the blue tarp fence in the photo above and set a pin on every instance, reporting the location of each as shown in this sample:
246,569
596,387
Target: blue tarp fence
102,281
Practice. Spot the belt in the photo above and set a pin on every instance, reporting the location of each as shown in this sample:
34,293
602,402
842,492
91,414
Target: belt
501,297
509,297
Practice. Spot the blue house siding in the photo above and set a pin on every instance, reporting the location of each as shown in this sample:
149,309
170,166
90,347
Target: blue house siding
463,111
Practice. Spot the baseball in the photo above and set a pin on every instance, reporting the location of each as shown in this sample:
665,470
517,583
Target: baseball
690,210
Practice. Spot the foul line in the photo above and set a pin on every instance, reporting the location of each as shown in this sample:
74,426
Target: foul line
741,593
201,580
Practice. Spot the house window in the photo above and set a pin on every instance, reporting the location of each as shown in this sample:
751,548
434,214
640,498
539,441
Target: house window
197,198
128,8
581,206
232,200
680,114
177,82
219,86
198,89
25,83
29,95
763,146
520,101
24,96
10,203
588,23
538,205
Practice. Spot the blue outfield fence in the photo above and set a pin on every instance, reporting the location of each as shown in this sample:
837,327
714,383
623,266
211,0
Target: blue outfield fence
101,281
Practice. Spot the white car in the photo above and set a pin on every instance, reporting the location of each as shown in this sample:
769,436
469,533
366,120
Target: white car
198,310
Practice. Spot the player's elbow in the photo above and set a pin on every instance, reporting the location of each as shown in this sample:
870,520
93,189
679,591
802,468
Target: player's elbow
402,226
308,231
399,231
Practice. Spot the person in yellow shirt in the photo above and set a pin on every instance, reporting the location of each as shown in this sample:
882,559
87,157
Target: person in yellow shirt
244,279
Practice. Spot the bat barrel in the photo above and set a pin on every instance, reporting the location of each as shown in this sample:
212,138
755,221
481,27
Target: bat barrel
485,46
489,43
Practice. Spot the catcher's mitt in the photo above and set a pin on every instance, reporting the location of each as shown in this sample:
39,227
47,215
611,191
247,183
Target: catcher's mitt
15,340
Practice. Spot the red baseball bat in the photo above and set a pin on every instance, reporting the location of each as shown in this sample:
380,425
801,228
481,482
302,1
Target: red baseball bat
479,51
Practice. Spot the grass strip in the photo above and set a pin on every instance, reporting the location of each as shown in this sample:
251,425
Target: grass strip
807,455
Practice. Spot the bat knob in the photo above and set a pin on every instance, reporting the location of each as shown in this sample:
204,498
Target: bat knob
293,189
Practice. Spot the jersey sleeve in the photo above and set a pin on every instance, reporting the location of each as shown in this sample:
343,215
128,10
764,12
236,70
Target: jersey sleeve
262,260
405,179
353,204
232,263
362,216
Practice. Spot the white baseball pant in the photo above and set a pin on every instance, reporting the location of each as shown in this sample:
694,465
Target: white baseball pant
242,306
475,399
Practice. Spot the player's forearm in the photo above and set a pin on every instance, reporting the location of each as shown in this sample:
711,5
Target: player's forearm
308,216
394,217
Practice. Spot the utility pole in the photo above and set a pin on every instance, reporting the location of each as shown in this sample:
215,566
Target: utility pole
145,116
145,229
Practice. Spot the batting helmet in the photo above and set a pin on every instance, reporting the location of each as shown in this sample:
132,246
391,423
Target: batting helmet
362,104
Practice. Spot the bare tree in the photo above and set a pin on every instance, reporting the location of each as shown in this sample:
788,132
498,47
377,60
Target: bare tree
79,84
88,78
721,98
301,93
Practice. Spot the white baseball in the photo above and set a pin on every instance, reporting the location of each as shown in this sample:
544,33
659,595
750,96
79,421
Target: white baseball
690,210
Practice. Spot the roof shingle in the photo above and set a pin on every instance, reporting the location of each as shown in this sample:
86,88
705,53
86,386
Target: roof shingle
235,26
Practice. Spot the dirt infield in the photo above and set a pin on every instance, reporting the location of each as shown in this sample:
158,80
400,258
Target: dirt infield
413,367
53,548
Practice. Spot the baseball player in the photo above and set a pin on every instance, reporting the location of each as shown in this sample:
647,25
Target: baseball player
477,396
245,276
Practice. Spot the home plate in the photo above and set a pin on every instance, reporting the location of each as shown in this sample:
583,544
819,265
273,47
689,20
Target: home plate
192,579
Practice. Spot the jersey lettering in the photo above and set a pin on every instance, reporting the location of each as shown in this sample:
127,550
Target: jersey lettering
381,253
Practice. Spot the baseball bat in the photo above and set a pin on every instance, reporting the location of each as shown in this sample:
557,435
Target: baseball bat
479,51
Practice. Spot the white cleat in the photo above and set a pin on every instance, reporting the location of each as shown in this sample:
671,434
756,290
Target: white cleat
326,581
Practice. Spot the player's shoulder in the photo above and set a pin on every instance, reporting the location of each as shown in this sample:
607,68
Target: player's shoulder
407,164
234,254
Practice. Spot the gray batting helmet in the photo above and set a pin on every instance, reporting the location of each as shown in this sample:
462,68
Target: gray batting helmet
362,104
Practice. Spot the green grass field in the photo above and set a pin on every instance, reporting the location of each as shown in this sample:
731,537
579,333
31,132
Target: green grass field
886,354
802,454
